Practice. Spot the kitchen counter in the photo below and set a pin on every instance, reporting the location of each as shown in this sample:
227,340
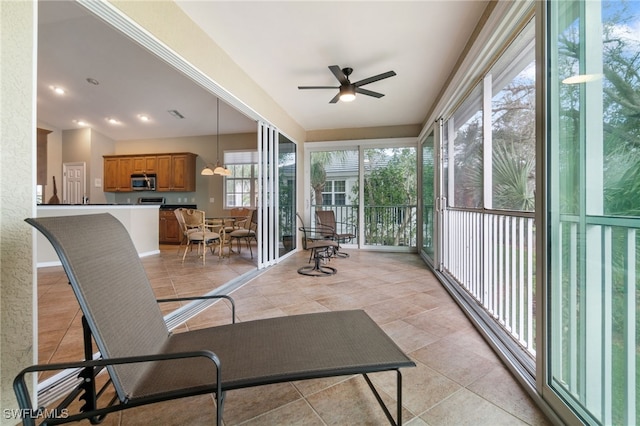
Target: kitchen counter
177,206
140,220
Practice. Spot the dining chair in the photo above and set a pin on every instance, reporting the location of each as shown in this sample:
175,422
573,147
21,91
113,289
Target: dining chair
238,217
184,231
199,232
247,233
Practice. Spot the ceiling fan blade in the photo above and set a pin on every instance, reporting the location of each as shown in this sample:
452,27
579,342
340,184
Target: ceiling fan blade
335,99
340,75
369,92
317,87
375,78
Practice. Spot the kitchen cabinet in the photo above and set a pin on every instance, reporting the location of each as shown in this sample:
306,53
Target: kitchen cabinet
176,172
169,229
144,164
117,174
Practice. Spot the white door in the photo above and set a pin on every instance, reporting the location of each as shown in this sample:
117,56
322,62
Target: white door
73,183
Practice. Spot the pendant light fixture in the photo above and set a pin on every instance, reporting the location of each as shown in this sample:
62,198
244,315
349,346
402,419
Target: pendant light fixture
218,170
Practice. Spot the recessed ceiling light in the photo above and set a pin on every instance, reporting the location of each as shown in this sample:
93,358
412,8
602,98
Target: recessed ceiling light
111,120
81,123
144,117
58,90
92,81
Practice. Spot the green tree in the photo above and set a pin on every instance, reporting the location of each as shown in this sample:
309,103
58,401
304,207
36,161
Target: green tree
390,193
319,162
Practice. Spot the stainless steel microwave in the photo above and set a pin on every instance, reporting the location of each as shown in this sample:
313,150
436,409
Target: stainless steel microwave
143,182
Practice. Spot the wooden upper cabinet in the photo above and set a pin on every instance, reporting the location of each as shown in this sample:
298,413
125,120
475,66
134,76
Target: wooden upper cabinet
117,174
163,173
183,169
146,164
174,172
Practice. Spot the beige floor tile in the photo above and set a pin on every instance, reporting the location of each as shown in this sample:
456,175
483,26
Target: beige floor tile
454,362
297,413
499,387
422,387
465,408
352,403
408,337
195,410
399,293
244,404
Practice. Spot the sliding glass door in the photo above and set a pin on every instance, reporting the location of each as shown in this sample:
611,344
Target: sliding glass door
276,195
594,208
428,197
390,197
371,187
286,195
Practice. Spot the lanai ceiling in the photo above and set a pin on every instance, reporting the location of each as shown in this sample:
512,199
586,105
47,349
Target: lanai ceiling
279,44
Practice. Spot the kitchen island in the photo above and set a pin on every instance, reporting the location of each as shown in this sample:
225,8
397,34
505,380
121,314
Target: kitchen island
140,220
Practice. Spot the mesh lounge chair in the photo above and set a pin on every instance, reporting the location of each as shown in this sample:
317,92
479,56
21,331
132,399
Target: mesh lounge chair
146,363
327,223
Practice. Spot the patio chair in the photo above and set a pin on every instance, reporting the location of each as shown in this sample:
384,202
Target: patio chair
326,220
148,364
320,251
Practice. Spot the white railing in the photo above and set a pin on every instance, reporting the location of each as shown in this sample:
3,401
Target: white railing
491,256
595,337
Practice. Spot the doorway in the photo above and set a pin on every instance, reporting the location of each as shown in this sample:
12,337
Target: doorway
73,183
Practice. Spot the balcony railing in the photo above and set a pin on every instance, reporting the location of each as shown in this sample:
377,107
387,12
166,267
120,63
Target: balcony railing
383,225
491,256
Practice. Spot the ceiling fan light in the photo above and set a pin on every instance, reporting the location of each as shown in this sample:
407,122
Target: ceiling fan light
347,93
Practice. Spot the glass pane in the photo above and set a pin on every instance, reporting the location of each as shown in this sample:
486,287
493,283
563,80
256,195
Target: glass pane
513,125
390,181
427,195
594,213
287,195
467,152
328,168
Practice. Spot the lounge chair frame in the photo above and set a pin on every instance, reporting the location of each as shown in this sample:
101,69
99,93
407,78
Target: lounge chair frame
212,360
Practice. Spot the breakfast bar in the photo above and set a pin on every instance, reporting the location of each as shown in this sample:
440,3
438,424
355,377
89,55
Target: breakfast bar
141,221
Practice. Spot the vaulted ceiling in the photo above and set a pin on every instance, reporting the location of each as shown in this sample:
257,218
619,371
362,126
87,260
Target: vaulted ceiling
280,44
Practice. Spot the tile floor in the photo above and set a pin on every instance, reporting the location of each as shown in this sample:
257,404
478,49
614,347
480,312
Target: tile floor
458,379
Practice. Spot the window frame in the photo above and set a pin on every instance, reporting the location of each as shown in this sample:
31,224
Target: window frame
252,180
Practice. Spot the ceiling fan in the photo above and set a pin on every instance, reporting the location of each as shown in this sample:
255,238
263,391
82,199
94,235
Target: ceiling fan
348,89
